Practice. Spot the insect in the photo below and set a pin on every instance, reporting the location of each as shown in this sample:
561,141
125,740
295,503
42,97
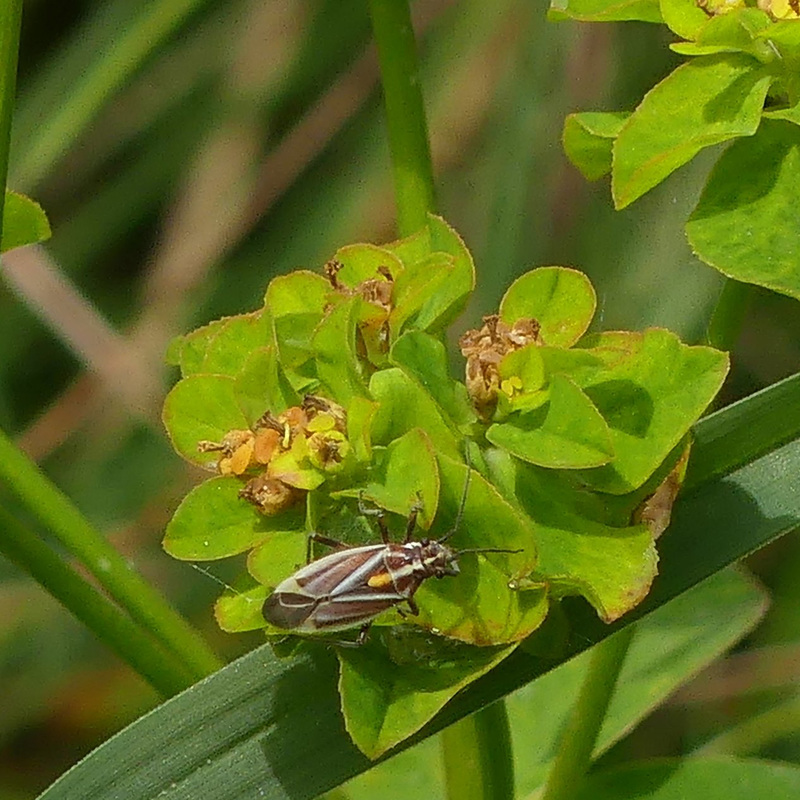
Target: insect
350,587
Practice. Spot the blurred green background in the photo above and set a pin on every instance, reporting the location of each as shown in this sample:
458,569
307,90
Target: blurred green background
186,152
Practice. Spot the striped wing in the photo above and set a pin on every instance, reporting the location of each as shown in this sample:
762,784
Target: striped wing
334,593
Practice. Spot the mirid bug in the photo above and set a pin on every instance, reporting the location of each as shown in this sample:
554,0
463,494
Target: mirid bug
350,587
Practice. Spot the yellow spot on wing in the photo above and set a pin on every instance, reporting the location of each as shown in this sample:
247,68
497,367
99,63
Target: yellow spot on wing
380,581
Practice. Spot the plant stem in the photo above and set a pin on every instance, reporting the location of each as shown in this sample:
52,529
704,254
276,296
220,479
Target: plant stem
158,20
478,761
144,604
10,23
166,673
405,113
728,315
574,756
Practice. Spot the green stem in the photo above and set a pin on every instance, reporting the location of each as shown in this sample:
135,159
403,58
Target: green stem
729,314
574,756
144,604
405,113
166,673
10,23
159,20
478,761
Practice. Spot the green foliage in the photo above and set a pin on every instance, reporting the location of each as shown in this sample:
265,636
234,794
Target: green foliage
744,70
567,419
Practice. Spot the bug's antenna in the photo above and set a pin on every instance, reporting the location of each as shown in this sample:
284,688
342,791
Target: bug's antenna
462,505
486,550
213,577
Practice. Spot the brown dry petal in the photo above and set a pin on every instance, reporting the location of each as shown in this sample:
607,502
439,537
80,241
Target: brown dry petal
485,347
656,510
331,271
314,404
231,442
378,290
269,495
266,444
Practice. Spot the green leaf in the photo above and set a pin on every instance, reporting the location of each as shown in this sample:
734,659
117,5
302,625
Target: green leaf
684,17
390,691
424,359
222,347
296,303
588,138
334,346
605,10
612,567
403,405
652,390
561,300
202,408
744,222
567,433
419,281
791,114
721,778
360,262
707,101
240,611
24,222
360,414
734,32
262,385
407,476
447,298
213,522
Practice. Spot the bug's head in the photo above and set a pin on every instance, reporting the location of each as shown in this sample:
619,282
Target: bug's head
439,560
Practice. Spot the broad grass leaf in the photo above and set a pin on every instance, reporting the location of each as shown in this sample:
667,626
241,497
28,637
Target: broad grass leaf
561,300
24,222
745,224
709,100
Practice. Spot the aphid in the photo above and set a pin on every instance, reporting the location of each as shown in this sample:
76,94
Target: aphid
350,587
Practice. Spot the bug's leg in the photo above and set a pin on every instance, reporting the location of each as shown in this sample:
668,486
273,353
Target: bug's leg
412,606
378,513
358,641
320,539
411,525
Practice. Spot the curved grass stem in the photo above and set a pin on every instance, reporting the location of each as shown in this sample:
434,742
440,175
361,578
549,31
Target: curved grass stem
574,755
65,522
477,755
